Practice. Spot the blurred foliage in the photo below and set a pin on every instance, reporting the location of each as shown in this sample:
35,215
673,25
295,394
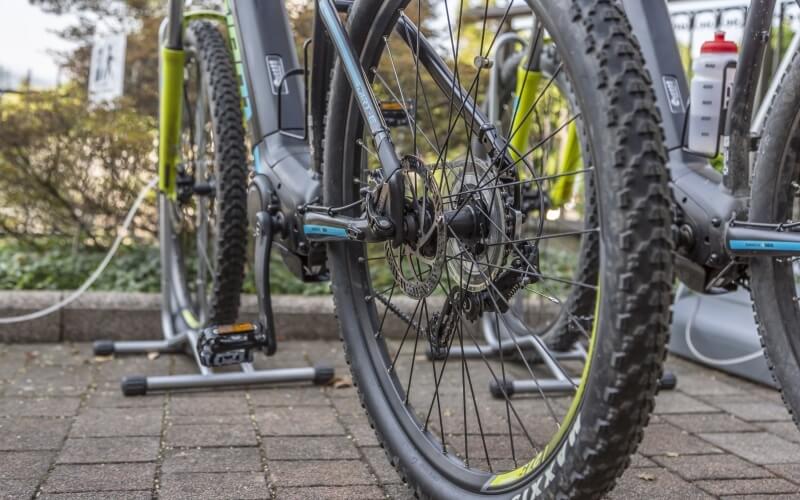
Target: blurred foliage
56,264
66,169
61,266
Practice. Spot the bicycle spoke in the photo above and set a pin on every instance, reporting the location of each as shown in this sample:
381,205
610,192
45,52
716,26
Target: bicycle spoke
412,121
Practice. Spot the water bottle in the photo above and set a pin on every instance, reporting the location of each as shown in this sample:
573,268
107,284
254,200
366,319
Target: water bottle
712,85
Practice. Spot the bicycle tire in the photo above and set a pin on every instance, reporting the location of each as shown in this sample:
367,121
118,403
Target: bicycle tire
618,395
772,200
216,80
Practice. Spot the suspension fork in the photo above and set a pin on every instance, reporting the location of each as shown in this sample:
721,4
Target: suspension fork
568,159
529,77
171,61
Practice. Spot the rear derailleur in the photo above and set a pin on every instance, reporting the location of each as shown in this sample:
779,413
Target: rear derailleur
462,303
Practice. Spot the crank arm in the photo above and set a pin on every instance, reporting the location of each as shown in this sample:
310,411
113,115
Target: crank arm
745,239
263,247
323,227
374,229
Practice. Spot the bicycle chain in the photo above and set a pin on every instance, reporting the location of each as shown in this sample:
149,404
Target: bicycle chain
400,314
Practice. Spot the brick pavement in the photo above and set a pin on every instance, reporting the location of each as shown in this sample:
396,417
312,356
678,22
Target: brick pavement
66,432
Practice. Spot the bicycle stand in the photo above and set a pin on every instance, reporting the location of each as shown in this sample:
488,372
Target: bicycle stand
536,353
186,342
139,385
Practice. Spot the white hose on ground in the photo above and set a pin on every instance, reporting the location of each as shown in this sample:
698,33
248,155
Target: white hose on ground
121,233
702,357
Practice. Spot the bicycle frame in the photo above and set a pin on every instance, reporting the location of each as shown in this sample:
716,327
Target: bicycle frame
286,183
263,51
710,230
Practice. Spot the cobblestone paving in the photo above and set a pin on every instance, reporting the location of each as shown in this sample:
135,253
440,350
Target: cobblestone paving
67,432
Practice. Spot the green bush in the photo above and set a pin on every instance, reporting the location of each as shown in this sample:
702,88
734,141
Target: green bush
58,266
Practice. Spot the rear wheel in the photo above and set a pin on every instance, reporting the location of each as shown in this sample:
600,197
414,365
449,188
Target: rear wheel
203,230
435,417
775,283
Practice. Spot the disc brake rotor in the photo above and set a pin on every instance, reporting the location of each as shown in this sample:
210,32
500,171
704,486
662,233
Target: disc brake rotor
417,268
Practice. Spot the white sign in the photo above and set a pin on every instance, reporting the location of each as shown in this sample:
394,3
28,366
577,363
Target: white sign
107,70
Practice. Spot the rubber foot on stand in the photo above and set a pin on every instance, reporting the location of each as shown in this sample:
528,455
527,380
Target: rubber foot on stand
134,386
497,392
323,374
103,347
668,382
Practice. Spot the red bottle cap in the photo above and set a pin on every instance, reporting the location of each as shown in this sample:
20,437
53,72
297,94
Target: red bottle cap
719,45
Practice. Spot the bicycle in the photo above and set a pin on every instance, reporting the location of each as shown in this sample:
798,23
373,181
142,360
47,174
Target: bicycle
393,183
771,277
710,218
729,232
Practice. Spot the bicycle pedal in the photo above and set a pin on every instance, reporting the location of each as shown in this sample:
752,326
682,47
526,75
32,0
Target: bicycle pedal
225,345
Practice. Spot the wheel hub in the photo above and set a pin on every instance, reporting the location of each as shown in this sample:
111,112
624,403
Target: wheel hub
476,257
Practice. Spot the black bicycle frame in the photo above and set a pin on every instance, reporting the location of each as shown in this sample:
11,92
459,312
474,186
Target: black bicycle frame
710,230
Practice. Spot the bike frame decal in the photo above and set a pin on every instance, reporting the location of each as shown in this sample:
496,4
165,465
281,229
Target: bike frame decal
237,62
337,232
170,112
764,245
355,72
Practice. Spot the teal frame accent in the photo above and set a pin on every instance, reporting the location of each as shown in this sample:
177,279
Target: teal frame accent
764,245
336,232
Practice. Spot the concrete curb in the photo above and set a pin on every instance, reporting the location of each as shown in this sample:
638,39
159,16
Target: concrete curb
137,316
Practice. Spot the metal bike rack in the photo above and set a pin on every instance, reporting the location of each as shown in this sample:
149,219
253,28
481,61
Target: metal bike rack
512,340
181,337
186,341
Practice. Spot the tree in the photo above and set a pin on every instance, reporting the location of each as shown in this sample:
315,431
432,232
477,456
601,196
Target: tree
68,169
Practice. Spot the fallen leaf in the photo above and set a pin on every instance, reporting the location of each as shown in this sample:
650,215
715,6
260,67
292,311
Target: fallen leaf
152,355
672,454
103,359
341,382
647,477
